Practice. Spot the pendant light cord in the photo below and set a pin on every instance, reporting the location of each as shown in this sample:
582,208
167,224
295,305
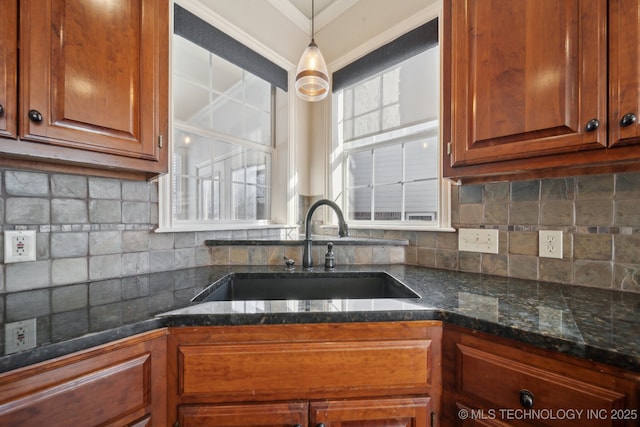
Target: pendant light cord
313,14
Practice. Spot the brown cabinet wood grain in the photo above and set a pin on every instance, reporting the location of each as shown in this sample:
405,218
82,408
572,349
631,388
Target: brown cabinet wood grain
355,373
624,71
518,92
288,414
379,412
122,383
487,381
8,68
539,89
393,412
93,84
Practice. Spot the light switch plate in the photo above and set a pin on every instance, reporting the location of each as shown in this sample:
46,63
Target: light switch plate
478,240
550,244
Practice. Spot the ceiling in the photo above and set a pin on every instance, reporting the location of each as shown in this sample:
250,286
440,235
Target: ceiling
299,11
304,6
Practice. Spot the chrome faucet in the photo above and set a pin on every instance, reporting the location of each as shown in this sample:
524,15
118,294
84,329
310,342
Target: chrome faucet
307,257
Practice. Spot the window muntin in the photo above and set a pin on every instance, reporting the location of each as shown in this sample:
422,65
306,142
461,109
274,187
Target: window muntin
389,139
223,139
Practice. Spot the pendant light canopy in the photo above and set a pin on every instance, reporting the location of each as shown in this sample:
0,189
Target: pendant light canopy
312,76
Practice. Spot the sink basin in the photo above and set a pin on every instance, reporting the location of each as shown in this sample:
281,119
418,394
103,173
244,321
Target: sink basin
305,286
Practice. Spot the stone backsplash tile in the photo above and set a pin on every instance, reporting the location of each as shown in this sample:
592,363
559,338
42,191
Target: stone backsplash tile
599,215
92,228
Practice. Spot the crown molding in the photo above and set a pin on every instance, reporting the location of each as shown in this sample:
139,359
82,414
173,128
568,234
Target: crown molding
322,19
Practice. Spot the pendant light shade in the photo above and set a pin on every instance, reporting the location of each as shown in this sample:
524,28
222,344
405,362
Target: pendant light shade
312,76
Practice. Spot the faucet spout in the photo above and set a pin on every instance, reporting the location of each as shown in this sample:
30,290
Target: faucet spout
343,230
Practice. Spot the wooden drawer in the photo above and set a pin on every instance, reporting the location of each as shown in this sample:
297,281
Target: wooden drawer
294,369
500,381
488,375
283,362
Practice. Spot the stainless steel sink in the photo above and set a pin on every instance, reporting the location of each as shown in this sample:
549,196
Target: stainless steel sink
305,286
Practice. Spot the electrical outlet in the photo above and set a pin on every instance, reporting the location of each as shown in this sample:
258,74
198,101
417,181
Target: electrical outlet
19,245
478,240
550,244
19,336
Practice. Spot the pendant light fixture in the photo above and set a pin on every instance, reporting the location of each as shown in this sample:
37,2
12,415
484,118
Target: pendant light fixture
312,77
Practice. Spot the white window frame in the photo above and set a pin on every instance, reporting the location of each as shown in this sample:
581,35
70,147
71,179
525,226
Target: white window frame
338,175
285,199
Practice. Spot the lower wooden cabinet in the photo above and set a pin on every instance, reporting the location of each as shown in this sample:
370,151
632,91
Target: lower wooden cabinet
116,384
396,412
387,374
489,381
258,415
356,374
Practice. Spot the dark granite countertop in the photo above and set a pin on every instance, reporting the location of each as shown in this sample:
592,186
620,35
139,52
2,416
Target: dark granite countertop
594,324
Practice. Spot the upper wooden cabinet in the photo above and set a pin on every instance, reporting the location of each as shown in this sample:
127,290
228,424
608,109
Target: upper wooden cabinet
93,83
624,72
528,86
8,62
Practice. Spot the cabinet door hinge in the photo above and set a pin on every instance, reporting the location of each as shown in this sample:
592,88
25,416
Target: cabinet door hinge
176,424
433,414
160,145
448,149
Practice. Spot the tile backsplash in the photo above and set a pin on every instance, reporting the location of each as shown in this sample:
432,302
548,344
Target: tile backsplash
91,229
599,215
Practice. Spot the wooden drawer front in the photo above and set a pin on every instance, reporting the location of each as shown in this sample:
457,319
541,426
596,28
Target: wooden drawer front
304,369
402,412
494,379
258,415
94,398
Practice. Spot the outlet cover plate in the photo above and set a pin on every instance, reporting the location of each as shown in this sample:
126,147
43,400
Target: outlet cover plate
19,336
19,245
550,244
484,240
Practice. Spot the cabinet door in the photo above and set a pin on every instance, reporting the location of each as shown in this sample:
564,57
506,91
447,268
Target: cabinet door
527,78
398,412
257,415
92,76
624,72
8,67
120,383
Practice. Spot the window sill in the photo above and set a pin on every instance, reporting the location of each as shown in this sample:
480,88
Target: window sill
287,229
394,227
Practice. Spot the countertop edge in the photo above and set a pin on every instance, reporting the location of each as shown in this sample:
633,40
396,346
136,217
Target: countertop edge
549,343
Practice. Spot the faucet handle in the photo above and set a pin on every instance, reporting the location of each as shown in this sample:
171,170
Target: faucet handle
329,258
288,262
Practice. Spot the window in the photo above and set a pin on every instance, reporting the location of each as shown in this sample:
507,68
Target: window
225,99
386,137
223,138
